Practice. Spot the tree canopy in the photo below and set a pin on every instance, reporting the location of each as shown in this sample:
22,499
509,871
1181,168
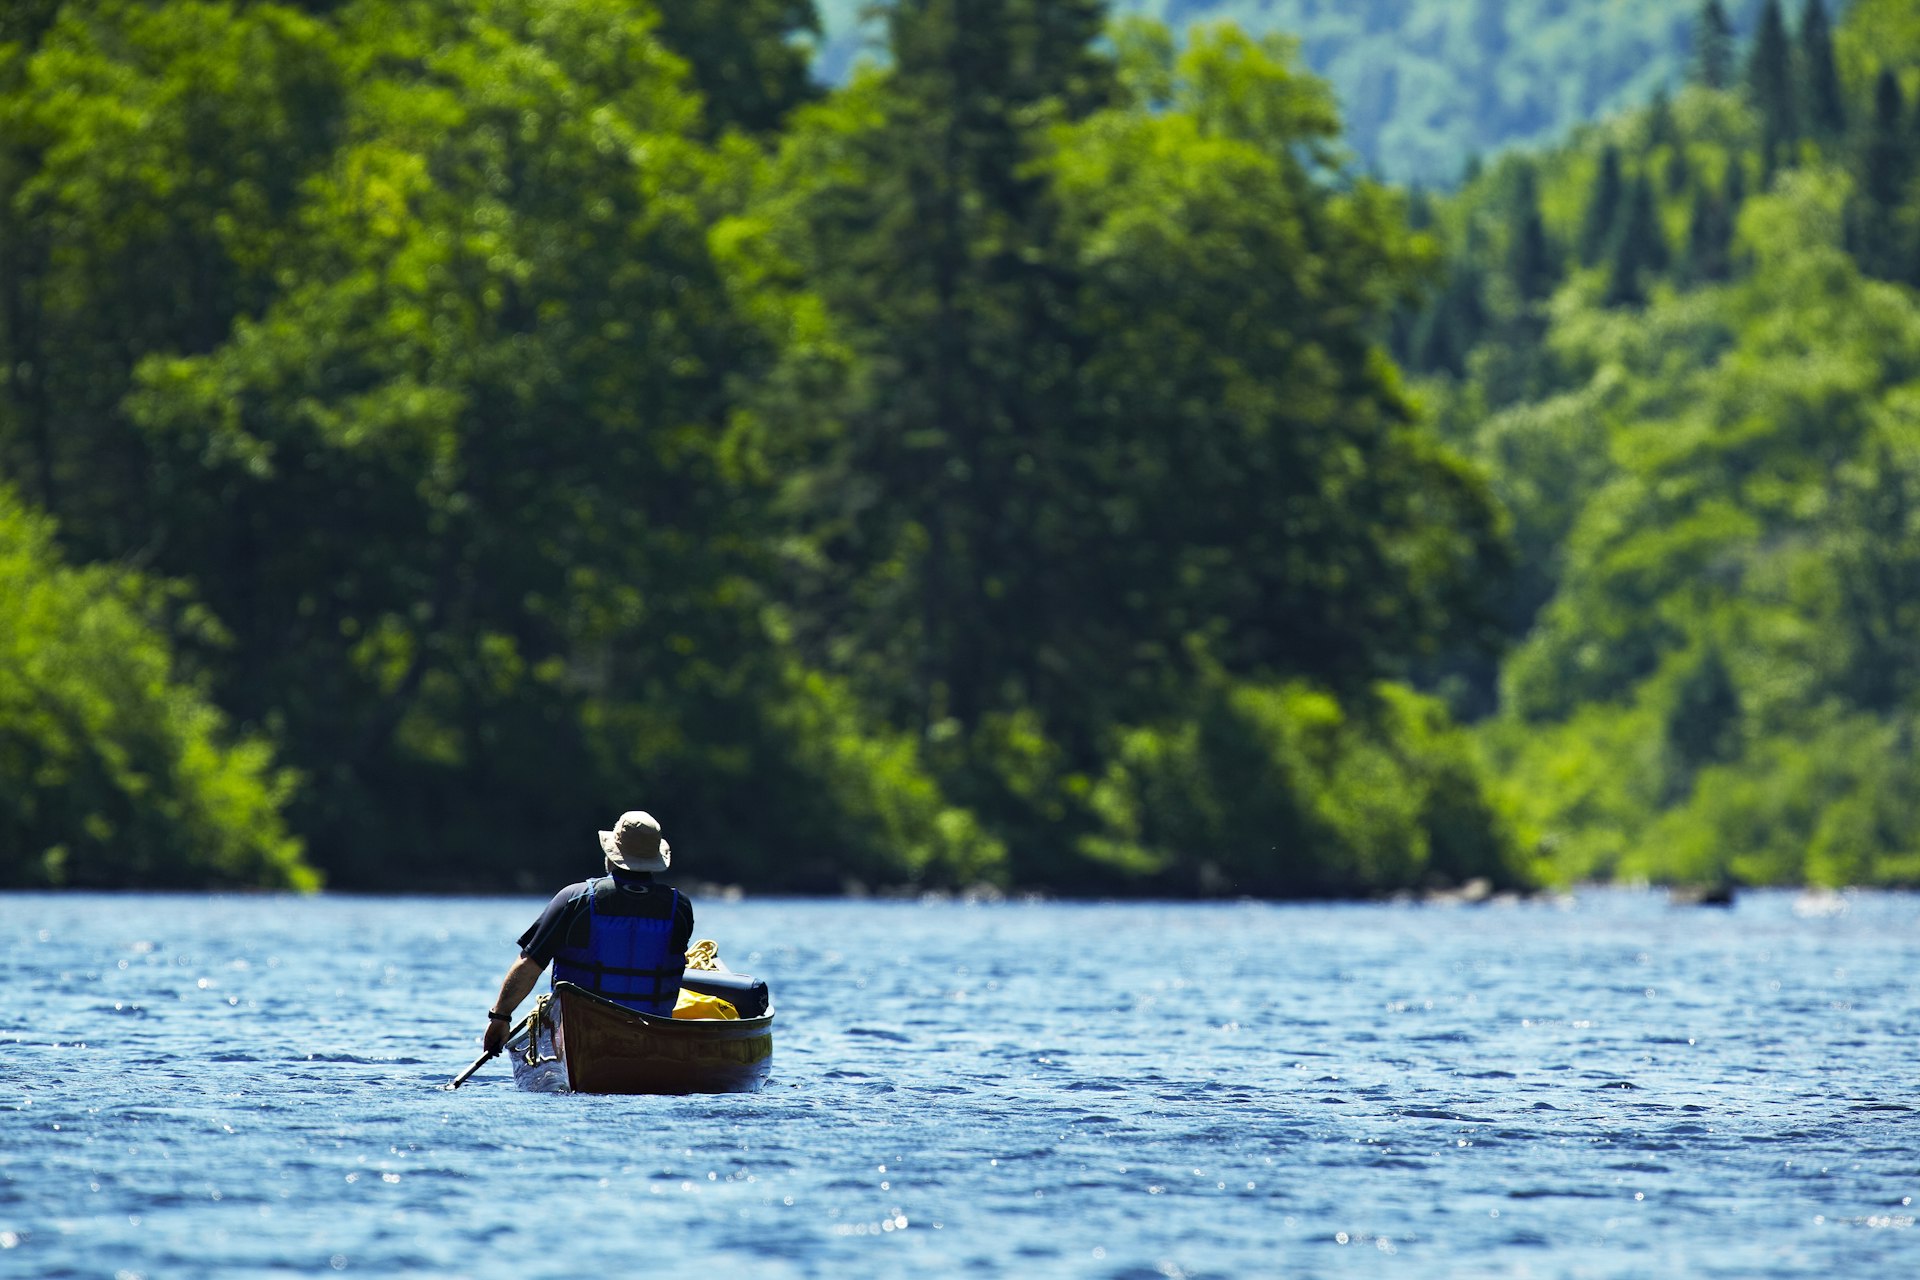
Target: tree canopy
1047,459
549,401
1708,465
118,769
1427,85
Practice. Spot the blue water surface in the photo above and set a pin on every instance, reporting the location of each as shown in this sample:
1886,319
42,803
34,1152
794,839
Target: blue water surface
1602,1086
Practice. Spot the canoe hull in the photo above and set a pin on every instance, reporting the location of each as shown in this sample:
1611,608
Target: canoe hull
588,1044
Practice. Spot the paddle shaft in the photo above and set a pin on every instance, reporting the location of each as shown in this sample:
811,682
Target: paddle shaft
485,1058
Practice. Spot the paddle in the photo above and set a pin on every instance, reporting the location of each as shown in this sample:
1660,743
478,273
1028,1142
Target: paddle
485,1058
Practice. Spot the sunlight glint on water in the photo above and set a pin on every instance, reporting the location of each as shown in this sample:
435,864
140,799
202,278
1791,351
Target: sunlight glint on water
202,1086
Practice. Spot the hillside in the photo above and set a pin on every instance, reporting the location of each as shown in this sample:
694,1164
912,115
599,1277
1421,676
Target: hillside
1426,84
516,411
1685,348
991,472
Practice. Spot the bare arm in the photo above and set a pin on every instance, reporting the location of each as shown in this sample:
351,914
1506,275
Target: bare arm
513,989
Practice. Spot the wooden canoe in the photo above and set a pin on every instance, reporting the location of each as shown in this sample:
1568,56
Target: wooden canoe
578,1041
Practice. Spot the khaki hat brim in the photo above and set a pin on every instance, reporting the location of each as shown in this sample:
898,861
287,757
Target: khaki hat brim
611,848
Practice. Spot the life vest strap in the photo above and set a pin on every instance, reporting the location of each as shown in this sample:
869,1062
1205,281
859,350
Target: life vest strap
664,971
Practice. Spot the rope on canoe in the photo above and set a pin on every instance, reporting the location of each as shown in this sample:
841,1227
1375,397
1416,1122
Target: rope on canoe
704,954
535,1021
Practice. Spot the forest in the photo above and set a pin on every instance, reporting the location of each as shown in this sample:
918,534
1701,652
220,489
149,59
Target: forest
1682,348
1425,86
1047,459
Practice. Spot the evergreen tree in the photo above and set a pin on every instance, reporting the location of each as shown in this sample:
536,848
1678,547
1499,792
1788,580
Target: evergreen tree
938,257
1701,219
1603,207
1662,133
1656,254
1885,159
1531,262
1069,429
1909,215
749,58
1704,721
1058,54
1639,248
1733,194
1451,327
1709,238
1660,126
1886,166
1713,47
1770,83
1826,113
1677,171
1419,210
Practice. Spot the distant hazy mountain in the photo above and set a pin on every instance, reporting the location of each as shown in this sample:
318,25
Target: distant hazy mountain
1424,84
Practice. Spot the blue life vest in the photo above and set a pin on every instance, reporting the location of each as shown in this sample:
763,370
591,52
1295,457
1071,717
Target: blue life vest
629,956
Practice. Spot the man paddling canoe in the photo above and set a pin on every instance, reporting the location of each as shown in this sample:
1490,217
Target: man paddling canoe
619,935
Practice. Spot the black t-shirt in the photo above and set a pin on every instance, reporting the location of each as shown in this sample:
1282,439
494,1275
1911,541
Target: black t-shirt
567,922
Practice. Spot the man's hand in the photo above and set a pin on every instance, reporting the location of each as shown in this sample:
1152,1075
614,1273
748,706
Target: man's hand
496,1035
515,988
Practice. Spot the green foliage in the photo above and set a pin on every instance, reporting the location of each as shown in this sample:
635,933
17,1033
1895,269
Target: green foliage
25,21
1710,226
114,770
1532,264
1877,35
1425,85
452,470
1826,110
484,401
1770,79
149,154
1829,808
1603,209
858,800
1639,247
1730,619
1578,792
1713,46
987,471
1713,487
749,58
1282,790
554,405
1052,329
1195,226
1884,226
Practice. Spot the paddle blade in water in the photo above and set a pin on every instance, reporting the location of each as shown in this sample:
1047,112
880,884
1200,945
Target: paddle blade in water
464,1076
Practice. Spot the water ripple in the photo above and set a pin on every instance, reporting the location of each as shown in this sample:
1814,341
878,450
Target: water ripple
1606,1088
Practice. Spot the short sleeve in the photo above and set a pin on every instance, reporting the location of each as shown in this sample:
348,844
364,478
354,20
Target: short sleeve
682,922
546,935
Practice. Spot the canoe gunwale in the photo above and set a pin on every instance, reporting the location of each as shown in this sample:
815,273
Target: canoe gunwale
678,1028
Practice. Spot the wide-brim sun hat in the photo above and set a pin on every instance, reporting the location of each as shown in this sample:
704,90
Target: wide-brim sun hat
635,844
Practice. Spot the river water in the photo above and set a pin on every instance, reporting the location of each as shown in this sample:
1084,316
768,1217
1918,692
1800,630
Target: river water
1602,1086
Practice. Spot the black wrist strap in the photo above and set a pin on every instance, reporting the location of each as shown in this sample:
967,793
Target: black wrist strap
494,1015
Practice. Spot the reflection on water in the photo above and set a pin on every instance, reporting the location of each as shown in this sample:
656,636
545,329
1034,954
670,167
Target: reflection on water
1612,1086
